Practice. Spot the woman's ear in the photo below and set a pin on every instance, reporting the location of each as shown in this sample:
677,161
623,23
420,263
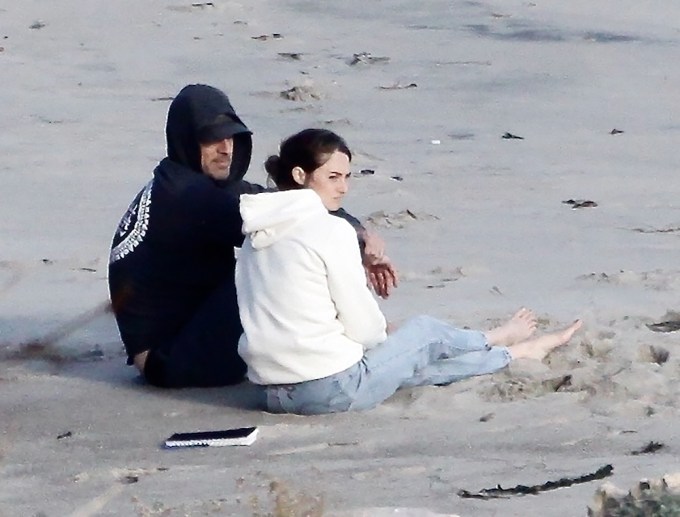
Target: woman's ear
299,176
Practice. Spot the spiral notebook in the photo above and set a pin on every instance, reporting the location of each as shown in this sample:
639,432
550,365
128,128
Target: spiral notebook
224,438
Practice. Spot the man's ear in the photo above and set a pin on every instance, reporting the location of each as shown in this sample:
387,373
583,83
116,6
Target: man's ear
299,176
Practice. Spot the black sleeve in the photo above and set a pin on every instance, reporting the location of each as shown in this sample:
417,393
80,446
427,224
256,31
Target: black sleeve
343,214
245,187
222,219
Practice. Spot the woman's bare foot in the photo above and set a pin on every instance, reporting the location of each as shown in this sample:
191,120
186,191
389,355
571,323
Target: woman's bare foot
541,346
516,329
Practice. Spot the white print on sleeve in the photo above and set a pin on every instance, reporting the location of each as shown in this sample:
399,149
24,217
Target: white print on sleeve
133,226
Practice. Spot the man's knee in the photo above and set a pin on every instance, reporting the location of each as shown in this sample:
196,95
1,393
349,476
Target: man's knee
165,372
154,369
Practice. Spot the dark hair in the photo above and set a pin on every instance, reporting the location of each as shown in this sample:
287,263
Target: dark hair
309,149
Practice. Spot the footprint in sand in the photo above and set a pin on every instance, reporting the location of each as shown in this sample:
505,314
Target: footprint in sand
523,387
305,92
398,86
645,498
668,229
400,219
192,7
653,354
302,93
338,122
128,476
291,56
658,279
435,278
365,58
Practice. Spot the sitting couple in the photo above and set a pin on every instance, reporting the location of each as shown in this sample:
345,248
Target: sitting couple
314,335
171,268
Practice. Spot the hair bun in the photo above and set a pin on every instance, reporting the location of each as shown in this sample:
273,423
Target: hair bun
273,166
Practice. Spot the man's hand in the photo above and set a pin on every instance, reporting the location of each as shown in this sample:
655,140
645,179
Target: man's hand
374,247
380,272
382,276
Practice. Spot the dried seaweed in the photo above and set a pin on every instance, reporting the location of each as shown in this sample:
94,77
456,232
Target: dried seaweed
499,492
650,448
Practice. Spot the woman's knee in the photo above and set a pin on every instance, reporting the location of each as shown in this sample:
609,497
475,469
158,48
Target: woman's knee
423,321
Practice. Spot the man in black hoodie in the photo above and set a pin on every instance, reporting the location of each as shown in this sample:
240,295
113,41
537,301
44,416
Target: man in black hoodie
171,268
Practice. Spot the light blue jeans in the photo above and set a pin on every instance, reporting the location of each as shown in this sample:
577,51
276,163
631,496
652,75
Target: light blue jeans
424,351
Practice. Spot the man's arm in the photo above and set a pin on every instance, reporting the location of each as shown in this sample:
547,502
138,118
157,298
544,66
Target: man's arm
356,224
246,187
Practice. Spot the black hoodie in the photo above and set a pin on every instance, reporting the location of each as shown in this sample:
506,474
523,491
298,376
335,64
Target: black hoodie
175,244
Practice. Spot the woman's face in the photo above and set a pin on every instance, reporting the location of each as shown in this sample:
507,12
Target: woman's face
331,180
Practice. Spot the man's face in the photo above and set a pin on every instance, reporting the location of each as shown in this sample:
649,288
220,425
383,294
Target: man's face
216,158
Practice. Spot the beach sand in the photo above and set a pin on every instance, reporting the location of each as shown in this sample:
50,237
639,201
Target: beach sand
477,224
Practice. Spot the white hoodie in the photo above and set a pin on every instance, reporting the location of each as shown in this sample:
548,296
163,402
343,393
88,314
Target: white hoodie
306,310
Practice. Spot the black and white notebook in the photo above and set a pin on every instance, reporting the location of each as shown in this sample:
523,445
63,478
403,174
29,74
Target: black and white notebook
241,436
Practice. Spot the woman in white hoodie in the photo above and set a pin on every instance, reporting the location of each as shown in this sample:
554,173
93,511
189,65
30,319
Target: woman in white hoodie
314,336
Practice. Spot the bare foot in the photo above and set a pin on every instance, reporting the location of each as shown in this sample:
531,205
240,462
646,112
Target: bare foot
541,346
516,329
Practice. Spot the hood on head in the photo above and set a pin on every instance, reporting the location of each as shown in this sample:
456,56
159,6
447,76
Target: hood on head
269,216
202,113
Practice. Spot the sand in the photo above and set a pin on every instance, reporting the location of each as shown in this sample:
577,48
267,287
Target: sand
476,223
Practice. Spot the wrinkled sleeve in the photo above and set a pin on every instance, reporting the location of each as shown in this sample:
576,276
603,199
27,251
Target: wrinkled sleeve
343,214
245,187
222,220
357,309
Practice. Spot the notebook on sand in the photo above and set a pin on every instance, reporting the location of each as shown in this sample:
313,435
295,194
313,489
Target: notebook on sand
241,436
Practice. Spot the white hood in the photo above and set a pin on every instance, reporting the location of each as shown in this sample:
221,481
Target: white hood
269,216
